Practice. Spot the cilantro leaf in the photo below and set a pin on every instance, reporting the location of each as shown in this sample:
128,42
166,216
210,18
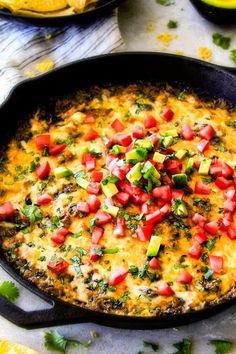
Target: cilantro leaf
184,347
222,346
221,41
151,345
9,290
54,341
33,213
165,2
233,55
172,24
109,179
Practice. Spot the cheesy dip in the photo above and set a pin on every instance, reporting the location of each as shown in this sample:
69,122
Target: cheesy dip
122,200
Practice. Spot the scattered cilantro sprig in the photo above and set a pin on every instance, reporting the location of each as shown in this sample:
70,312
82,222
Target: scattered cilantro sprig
184,347
166,2
55,341
9,290
222,346
221,41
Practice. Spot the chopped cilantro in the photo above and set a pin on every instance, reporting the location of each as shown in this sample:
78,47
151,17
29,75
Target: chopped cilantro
142,106
165,2
184,347
221,41
68,141
231,123
33,213
233,55
172,24
211,244
111,250
9,290
119,302
222,346
54,341
109,179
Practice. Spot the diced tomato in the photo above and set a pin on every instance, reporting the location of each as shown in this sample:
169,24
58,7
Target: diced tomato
212,227
94,203
119,229
94,188
57,149
122,197
165,290
43,170
229,206
154,138
234,181
119,173
144,232
138,132
90,119
231,232
187,132
176,194
229,216
6,210
173,166
230,194
154,263
89,161
144,197
203,145
59,235
185,278
198,219
109,201
123,139
167,180
44,199
83,207
225,224
150,122
216,170
216,263
117,125
91,135
162,192
167,114
42,141
117,276
102,218
202,188
195,251
223,183
93,255
58,266
166,209
227,171
154,217
197,164
160,203
135,198
96,176
127,187
146,209
201,235
97,234
207,132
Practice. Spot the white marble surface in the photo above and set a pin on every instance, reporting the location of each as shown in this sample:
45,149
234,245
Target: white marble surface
134,17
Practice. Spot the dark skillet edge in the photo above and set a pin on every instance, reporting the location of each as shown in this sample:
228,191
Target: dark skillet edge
83,18
65,313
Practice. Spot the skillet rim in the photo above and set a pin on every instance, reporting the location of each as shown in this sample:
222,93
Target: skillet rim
146,322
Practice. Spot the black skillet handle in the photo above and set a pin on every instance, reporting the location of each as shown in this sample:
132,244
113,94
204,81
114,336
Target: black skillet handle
60,313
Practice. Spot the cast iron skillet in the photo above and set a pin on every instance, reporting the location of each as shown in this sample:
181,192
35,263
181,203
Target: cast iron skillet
121,68
102,8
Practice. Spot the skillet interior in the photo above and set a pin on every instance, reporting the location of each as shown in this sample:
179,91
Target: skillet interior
121,68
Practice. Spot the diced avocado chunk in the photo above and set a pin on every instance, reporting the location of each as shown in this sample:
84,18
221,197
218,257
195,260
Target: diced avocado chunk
117,149
109,189
149,171
158,157
144,143
179,208
172,132
189,167
204,167
166,141
61,172
83,183
180,154
135,173
154,246
180,180
137,154
110,209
